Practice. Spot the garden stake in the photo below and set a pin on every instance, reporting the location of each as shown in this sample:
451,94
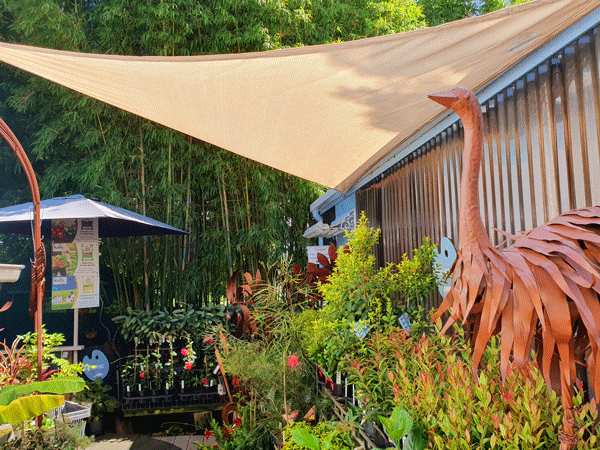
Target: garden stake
222,368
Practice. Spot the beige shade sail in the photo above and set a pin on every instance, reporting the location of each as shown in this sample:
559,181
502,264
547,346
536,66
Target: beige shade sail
325,113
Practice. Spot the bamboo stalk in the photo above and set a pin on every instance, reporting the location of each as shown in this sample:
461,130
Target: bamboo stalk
247,202
226,220
187,211
118,287
167,241
143,182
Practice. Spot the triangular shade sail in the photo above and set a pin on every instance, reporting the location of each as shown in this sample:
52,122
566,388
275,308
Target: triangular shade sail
112,220
325,113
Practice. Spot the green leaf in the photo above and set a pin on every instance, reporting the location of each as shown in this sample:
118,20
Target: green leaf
304,438
398,425
63,385
29,407
415,441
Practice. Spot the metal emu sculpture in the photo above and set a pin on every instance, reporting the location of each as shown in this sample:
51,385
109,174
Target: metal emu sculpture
543,289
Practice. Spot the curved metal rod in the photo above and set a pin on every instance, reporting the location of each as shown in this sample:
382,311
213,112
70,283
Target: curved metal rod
38,265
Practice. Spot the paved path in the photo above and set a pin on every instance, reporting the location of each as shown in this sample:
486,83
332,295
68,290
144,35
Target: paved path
142,442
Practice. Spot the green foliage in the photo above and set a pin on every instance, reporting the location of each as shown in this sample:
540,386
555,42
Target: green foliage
28,407
160,324
416,277
250,431
437,12
358,292
17,404
357,287
61,438
96,393
398,425
270,364
430,377
56,366
324,436
63,385
355,282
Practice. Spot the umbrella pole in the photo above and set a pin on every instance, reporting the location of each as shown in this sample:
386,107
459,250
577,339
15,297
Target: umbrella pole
39,254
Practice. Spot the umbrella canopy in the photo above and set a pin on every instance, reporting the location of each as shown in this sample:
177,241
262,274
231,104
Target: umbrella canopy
112,220
327,113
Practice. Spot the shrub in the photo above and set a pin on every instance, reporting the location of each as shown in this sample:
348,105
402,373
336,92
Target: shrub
431,377
325,435
359,292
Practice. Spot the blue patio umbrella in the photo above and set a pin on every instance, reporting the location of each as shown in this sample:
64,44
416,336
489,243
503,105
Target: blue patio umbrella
112,220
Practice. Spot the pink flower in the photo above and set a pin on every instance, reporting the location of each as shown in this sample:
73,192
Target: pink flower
188,366
184,352
293,362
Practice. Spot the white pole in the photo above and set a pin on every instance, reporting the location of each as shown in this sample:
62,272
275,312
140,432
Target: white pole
75,334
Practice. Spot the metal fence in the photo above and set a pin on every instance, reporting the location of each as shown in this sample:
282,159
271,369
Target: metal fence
541,158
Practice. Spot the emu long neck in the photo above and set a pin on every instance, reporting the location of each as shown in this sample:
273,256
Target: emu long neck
470,226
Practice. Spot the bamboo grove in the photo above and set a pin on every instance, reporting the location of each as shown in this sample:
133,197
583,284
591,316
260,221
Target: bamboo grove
238,212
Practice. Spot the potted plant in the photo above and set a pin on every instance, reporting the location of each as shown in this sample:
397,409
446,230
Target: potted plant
95,394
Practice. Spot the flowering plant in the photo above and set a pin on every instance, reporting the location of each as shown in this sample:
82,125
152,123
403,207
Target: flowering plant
244,433
189,355
294,362
136,373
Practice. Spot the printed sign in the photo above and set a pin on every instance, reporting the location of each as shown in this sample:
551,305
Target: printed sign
314,249
75,264
361,330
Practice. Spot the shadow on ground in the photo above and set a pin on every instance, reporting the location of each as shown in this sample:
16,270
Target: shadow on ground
148,443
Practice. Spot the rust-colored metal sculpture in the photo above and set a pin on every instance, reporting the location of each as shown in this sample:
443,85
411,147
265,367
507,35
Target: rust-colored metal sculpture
38,264
543,289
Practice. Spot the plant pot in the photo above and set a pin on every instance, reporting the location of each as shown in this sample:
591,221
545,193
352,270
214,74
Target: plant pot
96,426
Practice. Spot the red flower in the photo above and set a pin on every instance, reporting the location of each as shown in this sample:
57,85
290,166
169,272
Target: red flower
237,423
208,433
293,362
141,374
188,366
184,352
209,341
204,381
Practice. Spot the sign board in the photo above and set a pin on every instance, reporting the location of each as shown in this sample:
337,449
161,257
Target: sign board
314,249
75,263
96,366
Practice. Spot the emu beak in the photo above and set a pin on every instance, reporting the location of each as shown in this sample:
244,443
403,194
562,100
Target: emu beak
446,99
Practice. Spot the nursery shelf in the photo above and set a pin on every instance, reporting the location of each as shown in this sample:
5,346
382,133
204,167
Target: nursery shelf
178,410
